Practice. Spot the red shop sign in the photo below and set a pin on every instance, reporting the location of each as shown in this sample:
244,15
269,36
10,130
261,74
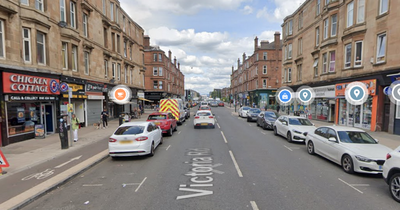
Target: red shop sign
28,84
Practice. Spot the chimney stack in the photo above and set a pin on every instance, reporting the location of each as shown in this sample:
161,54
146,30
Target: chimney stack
244,57
277,40
255,44
179,66
238,62
170,55
175,61
146,41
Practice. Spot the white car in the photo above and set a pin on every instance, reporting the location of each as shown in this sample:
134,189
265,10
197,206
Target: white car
243,111
293,128
354,149
204,118
391,173
134,139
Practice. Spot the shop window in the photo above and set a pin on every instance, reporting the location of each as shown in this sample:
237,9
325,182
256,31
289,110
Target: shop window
22,117
398,110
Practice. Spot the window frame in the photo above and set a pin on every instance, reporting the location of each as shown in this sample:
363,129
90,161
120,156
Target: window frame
355,53
44,48
332,63
119,72
113,70
63,8
318,7
104,7
317,36
72,14
111,11
86,61
300,46
40,4
315,67
74,54
347,63
105,68
324,63
130,52
64,55
290,51
360,11
380,7
155,82
24,40
160,84
333,25
26,2
85,24
159,57
348,16
265,56
378,48
289,72
160,71
125,50
155,71
326,28
125,74
264,82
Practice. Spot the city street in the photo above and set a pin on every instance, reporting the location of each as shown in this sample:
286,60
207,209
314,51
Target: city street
237,165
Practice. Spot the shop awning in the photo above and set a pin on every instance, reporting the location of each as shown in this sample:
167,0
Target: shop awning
143,99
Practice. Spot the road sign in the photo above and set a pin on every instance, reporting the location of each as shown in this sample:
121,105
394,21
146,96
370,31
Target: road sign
3,161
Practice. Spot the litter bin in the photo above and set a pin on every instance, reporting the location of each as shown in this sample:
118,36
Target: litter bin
63,132
121,118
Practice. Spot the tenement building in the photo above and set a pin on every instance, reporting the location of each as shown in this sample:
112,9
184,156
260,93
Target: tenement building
163,76
47,47
257,77
331,43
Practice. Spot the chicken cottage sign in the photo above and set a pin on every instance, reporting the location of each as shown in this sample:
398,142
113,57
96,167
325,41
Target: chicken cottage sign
28,84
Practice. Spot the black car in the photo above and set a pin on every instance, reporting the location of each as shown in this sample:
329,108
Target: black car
267,119
252,114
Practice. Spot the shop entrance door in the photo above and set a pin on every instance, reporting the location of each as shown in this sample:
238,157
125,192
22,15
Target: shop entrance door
358,113
48,115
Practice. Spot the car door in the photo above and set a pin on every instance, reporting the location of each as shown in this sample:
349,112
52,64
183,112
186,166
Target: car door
333,148
278,125
151,133
320,141
285,126
260,119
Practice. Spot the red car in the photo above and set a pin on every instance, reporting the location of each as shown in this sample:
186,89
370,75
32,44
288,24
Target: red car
165,120
221,103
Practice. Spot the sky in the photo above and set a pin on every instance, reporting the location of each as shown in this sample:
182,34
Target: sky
208,36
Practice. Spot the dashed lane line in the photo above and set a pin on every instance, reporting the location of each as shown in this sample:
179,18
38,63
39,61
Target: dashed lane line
92,185
254,205
236,165
141,184
223,136
218,125
263,133
288,148
168,147
351,186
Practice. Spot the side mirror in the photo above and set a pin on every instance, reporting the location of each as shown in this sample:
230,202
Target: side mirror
284,122
332,139
377,141
305,133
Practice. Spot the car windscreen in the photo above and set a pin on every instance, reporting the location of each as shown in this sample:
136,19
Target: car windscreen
129,130
255,111
271,114
157,117
299,121
203,114
356,137
246,108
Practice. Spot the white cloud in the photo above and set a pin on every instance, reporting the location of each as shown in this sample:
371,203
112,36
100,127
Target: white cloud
247,10
283,8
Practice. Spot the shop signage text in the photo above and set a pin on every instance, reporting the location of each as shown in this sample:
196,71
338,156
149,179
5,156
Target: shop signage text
94,87
370,84
33,98
325,91
20,83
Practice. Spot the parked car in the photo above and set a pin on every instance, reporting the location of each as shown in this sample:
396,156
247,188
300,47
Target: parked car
204,118
391,173
267,119
243,111
205,108
214,104
187,113
134,139
221,103
165,120
203,103
252,114
354,149
293,127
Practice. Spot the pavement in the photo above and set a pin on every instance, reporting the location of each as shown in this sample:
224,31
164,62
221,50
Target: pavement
30,153
384,138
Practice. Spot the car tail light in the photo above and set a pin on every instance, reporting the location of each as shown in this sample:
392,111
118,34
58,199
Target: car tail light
142,138
388,156
197,117
112,140
211,117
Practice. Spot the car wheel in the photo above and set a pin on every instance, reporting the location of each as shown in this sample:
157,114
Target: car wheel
258,124
152,150
176,128
289,137
194,127
248,120
161,140
265,128
394,187
347,164
170,131
275,131
310,148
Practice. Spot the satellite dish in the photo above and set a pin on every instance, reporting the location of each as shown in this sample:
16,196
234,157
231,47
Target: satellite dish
62,24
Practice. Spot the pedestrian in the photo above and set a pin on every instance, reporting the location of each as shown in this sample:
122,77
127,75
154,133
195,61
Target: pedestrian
140,108
265,107
104,118
75,126
278,108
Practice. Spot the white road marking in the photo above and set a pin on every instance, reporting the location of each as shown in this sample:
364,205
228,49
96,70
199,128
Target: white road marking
61,165
168,147
224,137
215,170
218,125
179,132
360,185
263,133
254,205
288,148
236,165
92,185
250,125
141,184
351,186
131,183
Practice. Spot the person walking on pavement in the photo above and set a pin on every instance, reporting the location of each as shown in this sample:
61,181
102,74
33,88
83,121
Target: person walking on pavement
278,108
104,116
75,127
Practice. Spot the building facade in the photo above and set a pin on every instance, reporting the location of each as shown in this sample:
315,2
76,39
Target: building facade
226,94
46,47
257,78
163,77
329,44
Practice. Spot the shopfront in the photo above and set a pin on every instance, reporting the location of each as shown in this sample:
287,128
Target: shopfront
77,100
94,102
264,97
361,116
323,107
29,100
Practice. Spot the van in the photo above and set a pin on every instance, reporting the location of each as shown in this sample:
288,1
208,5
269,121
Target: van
174,106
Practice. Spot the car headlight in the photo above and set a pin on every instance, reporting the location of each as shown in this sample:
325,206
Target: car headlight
363,159
296,131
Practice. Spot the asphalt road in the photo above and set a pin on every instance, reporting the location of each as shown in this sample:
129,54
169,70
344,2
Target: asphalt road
237,165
